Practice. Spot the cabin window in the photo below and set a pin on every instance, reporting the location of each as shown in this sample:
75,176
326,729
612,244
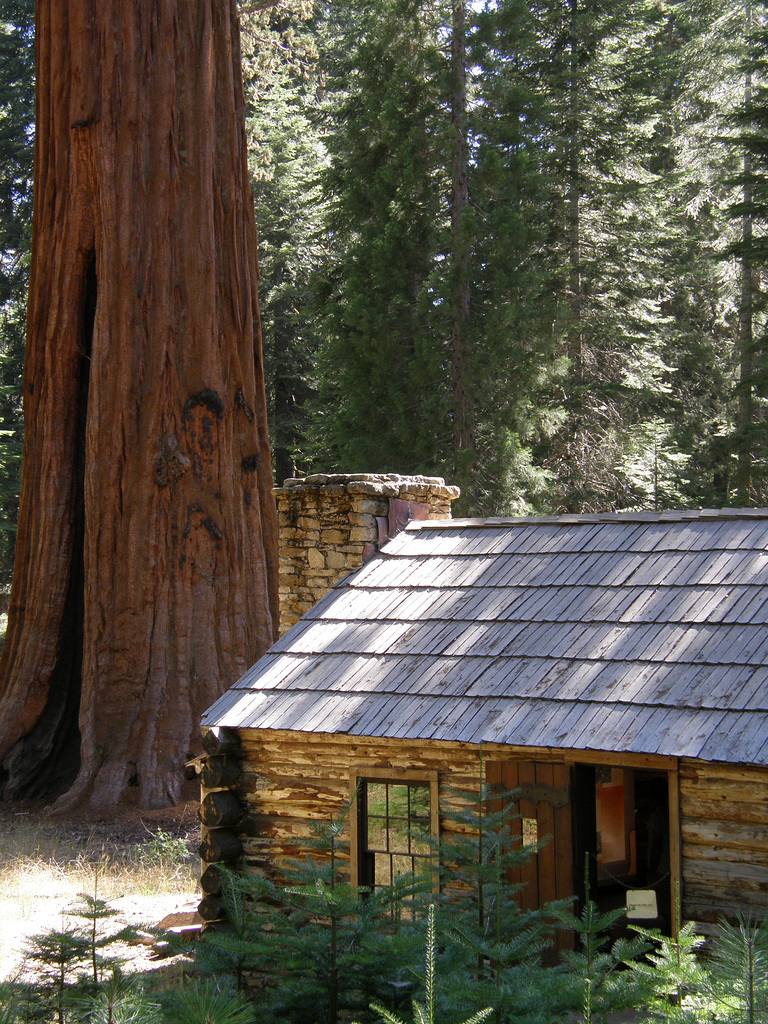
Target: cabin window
394,826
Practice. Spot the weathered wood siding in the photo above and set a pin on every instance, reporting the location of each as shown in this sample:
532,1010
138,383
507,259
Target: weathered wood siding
291,779
724,831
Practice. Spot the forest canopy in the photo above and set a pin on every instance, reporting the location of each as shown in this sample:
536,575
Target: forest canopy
517,244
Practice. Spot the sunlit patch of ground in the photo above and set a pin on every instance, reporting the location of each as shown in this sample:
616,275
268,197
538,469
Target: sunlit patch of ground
141,868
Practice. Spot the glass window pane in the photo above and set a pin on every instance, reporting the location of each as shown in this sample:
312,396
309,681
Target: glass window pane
398,836
398,801
377,834
420,835
382,868
420,802
377,797
401,865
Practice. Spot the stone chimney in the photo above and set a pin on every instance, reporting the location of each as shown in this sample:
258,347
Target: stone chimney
330,524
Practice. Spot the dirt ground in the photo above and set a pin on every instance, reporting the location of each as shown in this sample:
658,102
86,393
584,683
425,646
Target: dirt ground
48,860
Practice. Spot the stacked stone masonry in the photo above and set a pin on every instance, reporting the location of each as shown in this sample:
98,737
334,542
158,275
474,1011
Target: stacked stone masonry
330,523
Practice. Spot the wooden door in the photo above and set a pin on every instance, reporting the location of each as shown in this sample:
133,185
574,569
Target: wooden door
545,809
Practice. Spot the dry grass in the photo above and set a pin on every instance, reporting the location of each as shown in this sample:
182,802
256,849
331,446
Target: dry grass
144,871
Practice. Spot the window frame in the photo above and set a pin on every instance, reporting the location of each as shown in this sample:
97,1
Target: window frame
367,773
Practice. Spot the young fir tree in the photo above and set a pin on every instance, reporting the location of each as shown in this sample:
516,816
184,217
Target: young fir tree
76,966
677,981
739,972
322,948
599,968
495,949
58,959
424,1012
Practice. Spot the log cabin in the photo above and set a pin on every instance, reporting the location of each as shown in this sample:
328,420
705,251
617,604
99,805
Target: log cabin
611,668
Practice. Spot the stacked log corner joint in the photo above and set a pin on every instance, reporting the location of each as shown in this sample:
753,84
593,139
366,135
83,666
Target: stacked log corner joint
220,810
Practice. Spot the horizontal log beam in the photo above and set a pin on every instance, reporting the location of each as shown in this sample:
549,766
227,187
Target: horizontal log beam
220,772
220,845
212,908
220,808
210,880
219,740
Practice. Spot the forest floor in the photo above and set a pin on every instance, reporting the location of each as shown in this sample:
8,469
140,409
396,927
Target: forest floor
143,864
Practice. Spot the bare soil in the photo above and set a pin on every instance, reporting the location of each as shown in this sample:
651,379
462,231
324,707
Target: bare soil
47,860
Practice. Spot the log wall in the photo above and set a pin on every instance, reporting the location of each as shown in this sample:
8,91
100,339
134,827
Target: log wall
724,833
292,779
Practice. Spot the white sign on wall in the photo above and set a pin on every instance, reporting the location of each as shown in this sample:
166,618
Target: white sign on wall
641,904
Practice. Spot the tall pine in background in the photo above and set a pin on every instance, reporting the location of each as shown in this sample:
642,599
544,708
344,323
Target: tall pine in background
284,88
691,235
17,105
384,374
751,250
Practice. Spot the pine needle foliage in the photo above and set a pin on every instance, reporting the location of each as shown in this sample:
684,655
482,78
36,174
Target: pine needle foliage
599,969
118,1000
495,948
204,1002
10,1003
424,1012
739,962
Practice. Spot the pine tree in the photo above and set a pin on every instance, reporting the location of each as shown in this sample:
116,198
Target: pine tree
17,82
495,948
516,365
384,381
751,210
739,975
598,967
284,88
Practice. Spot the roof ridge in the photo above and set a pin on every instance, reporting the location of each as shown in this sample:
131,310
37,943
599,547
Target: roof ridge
590,518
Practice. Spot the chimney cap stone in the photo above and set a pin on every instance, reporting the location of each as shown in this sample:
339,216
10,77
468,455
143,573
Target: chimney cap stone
386,484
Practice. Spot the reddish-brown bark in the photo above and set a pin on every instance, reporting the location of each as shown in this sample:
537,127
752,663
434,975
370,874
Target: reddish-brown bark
145,577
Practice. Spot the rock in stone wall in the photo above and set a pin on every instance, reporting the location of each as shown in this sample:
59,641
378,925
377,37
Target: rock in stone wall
330,523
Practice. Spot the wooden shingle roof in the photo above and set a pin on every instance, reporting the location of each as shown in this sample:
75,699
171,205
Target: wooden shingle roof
643,633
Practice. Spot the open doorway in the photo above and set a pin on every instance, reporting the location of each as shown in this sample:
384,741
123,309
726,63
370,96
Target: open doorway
610,820
628,848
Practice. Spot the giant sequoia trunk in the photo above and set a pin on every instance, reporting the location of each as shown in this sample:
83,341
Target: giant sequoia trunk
145,577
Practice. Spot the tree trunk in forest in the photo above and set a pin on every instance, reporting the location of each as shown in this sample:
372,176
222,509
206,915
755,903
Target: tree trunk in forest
463,405
145,576
746,313
576,442
575,340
